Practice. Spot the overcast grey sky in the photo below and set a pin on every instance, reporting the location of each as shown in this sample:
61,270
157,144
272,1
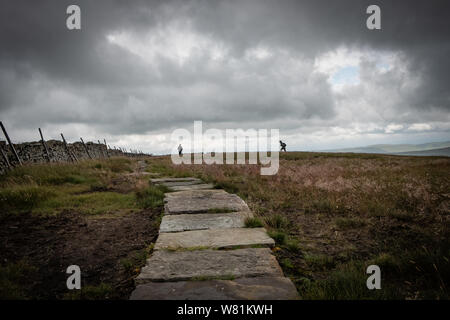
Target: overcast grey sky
140,69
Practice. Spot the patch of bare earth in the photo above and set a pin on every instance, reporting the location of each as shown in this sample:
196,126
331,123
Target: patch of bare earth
95,244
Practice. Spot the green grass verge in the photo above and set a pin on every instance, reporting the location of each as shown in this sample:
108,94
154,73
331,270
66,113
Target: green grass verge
151,197
100,292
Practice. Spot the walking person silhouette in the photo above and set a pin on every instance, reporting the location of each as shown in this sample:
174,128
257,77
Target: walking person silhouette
180,150
283,146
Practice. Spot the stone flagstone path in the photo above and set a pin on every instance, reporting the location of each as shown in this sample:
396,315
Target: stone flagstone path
204,251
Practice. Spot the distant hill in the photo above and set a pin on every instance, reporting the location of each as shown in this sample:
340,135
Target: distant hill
433,148
433,152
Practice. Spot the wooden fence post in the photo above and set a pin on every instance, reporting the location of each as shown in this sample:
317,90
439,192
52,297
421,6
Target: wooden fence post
102,153
106,146
85,148
10,144
71,156
45,146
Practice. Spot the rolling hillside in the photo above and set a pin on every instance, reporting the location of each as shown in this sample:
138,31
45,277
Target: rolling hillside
426,149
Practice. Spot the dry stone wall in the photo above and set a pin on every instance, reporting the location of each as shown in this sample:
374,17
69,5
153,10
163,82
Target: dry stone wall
34,152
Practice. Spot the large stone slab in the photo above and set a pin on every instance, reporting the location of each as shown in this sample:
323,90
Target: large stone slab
203,221
214,239
166,265
180,183
202,201
202,186
166,180
142,173
268,288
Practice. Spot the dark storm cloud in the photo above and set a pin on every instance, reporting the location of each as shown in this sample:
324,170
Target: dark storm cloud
50,75
34,33
420,29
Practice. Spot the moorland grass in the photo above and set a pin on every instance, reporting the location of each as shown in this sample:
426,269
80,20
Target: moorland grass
151,197
48,189
332,215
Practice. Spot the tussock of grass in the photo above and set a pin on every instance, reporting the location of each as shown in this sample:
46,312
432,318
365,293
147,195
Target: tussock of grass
253,223
321,206
287,263
293,245
100,292
279,237
118,165
135,260
14,279
24,198
319,261
276,221
386,262
151,197
376,208
349,223
227,186
348,282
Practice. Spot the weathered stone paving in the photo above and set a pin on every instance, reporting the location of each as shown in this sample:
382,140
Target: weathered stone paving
203,201
186,262
261,288
202,186
183,184
180,183
166,180
209,264
202,221
214,238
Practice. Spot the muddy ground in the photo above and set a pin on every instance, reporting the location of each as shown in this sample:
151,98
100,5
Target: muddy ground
109,249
